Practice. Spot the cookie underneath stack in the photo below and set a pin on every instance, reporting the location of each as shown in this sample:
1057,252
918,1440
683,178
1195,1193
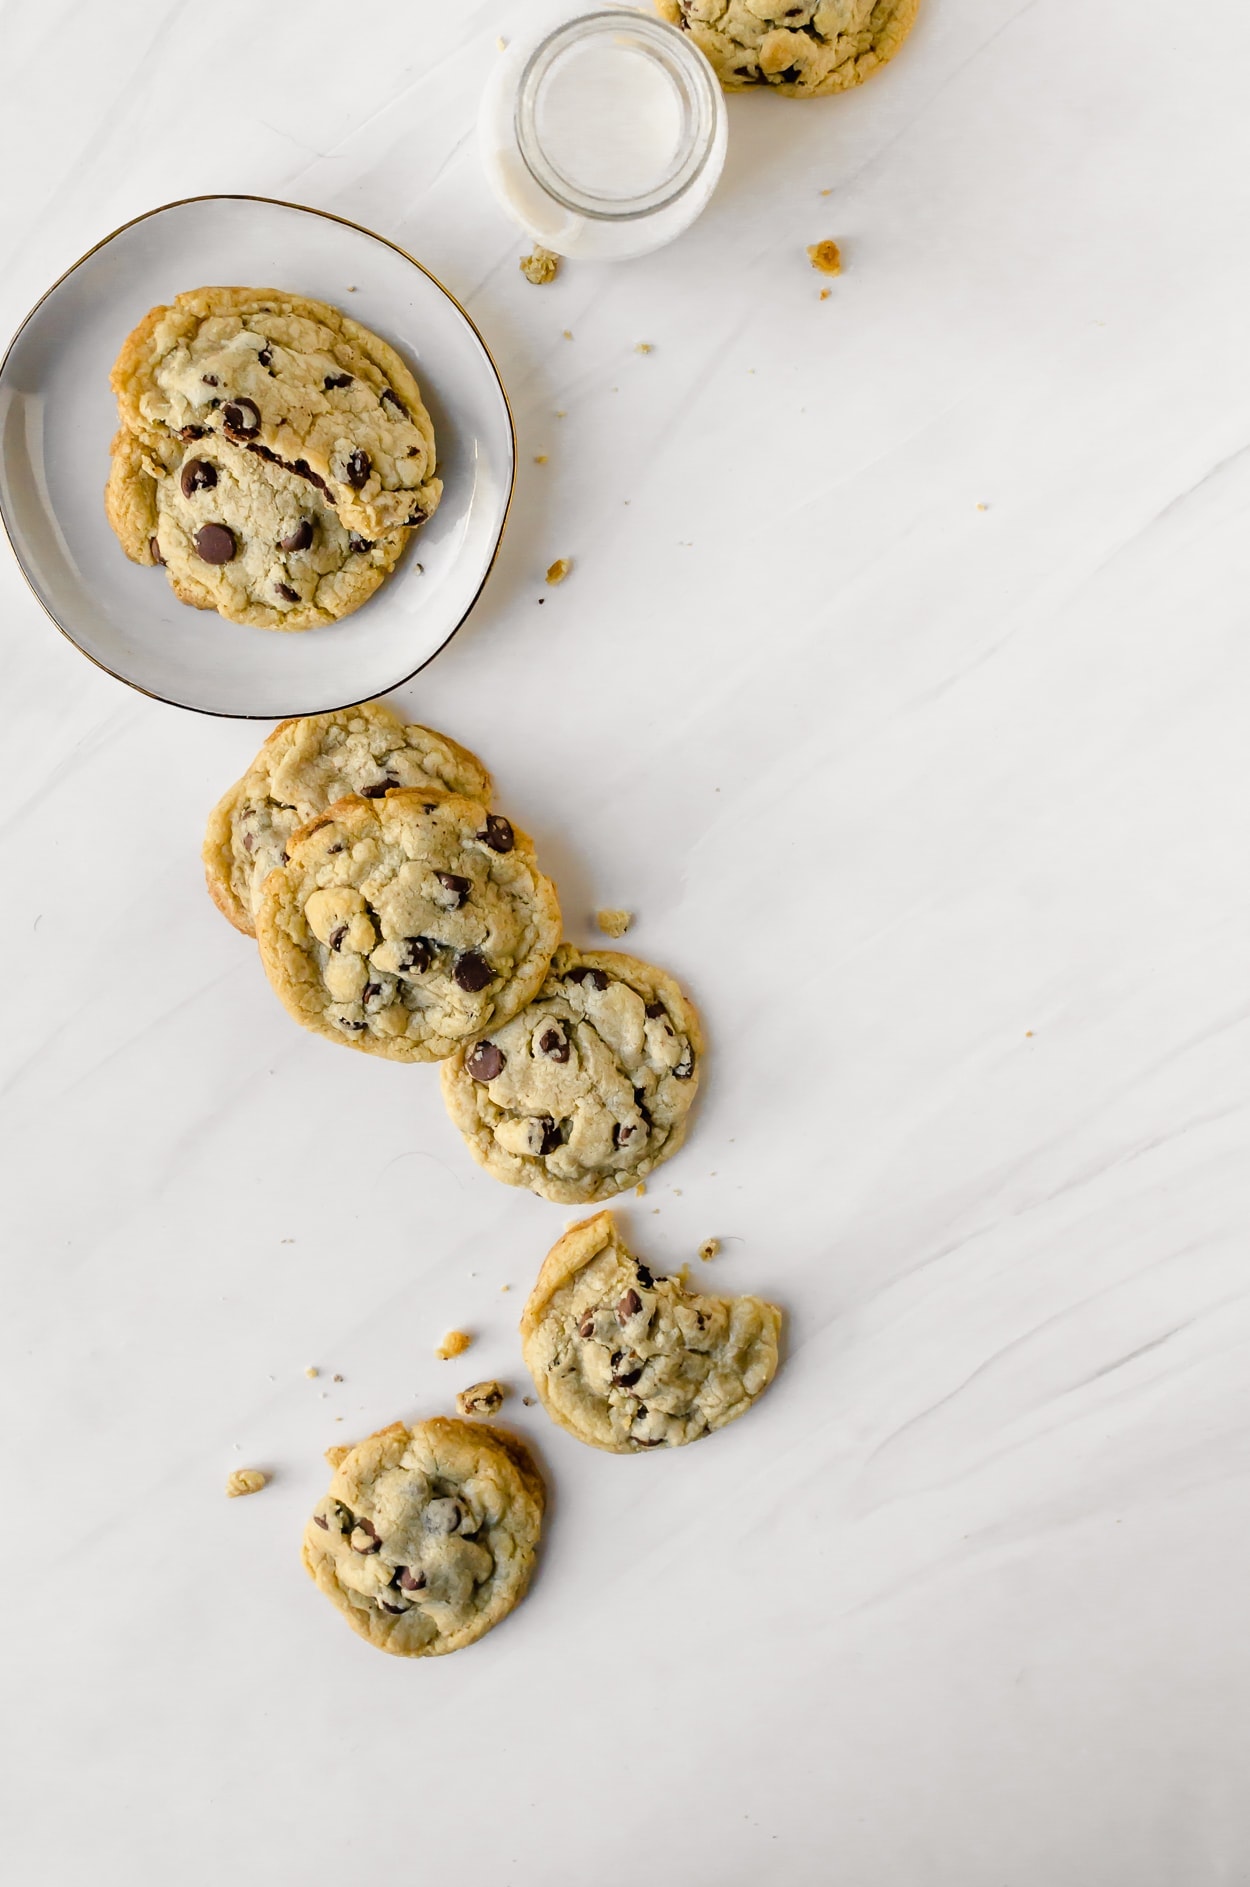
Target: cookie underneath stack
273,455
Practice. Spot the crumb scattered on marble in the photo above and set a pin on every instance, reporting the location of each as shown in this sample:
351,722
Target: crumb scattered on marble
542,266
825,293
338,1418
481,1398
337,1379
644,347
505,1287
614,923
708,1249
825,256
561,413
311,1370
455,1343
557,571
567,333
245,1481
529,1400
640,1189
826,193
982,507
286,1241
351,288
540,458
677,1192
501,44
1028,1031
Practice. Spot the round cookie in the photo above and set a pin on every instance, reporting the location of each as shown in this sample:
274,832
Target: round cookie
804,48
303,767
626,1360
587,1089
301,384
408,924
428,1535
247,539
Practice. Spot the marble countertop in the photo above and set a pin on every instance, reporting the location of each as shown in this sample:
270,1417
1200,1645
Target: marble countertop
900,687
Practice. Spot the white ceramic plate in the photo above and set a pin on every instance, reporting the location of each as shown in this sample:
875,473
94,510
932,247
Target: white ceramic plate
58,415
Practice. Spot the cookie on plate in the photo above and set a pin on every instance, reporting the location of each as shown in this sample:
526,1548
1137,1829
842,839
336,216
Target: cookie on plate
586,1090
253,542
297,383
408,924
626,1360
804,48
428,1535
303,767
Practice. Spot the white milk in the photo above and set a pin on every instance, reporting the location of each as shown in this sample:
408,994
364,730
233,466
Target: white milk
610,120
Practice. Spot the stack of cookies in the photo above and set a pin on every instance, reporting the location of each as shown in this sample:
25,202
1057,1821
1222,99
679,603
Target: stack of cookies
272,454
400,914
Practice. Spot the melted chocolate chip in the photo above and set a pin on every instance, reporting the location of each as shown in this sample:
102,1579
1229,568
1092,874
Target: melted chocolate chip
345,1023
265,356
472,971
586,1328
210,379
391,1608
553,1045
552,1137
484,1061
622,1134
298,539
357,469
319,1522
791,75
335,939
655,1010
155,549
197,475
364,1538
409,1581
356,542
371,992
640,1102
192,432
331,849
214,543
457,886
242,418
284,590
418,517
393,399
417,953
643,1275
629,1306
497,833
302,469
337,380
596,978
379,788
627,1378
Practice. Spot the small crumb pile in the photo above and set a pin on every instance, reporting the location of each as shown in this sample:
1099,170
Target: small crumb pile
614,923
481,1398
709,1248
542,266
245,1481
455,1343
825,256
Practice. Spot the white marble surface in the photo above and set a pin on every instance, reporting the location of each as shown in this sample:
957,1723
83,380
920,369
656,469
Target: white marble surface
941,812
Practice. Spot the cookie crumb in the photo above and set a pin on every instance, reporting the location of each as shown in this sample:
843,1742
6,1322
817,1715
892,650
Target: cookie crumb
1028,1032
708,1249
643,347
540,458
542,266
501,44
245,1481
567,333
614,923
557,571
560,413
982,507
481,1398
336,1379
455,1343
528,1401
351,288
639,1190
826,193
825,256
337,1455
311,1370
505,1287
825,293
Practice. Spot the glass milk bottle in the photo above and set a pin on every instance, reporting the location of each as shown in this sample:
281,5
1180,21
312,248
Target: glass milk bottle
606,136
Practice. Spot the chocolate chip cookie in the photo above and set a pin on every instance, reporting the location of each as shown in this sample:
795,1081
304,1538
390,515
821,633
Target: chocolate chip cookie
580,1095
407,925
250,540
626,1360
428,1535
303,767
804,48
296,383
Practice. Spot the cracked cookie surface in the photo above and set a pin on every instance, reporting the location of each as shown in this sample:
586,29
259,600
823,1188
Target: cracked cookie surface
303,767
428,1535
407,925
301,383
253,542
804,48
586,1090
627,1360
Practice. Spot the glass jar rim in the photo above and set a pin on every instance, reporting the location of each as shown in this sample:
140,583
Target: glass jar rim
683,61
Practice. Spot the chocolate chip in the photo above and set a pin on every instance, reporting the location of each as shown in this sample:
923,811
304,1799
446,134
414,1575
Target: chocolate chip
409,1581
155,549
643,1275
596,978
335,939
214,543
319,1522
285,590
497,833
552,1137
484,1061
586,1328
627,1379
457,886
379,788
393,399
442,1516
685,1067
629,1306
298,539
265,356
791,75
391,1608
303,469
472,971
344,1518
553,1045
192,432
640,1102
337,380
655,1010
331,849
364,1539
356,542
210,379
418,517
242,418
622,1134
640,1441
197,475
345,1022
371,992
417,954
357,468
